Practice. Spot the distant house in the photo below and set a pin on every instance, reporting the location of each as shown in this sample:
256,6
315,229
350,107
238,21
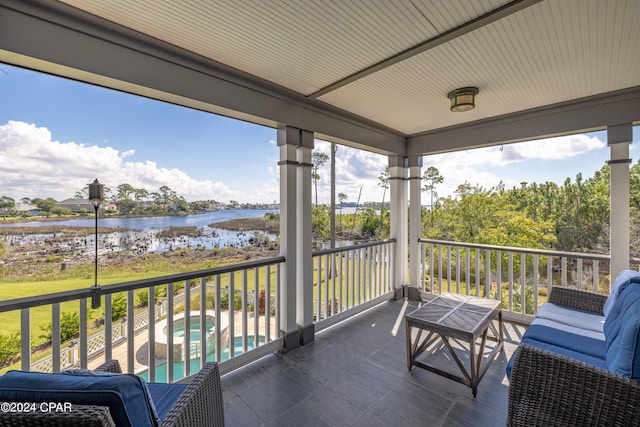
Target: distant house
76,205
110,207
32,210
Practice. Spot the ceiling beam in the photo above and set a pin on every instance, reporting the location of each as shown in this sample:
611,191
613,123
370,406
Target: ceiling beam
459,31
577,116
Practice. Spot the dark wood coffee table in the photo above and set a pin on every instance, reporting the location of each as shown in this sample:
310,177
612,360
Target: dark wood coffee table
461,317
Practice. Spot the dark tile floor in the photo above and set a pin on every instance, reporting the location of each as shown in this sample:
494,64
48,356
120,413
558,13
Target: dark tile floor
355,374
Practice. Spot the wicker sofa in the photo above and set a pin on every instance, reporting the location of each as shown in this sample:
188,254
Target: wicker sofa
579,361
98,402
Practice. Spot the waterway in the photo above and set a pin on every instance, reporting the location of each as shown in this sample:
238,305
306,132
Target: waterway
140,234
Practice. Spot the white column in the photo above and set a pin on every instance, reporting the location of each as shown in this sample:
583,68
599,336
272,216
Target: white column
288,142
415,223
619,137
399,219
304,290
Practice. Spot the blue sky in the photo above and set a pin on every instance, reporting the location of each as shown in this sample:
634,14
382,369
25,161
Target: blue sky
57,135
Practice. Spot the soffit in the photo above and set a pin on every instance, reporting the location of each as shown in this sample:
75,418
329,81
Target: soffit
549,52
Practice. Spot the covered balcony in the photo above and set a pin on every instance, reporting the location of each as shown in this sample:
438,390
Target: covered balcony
318,338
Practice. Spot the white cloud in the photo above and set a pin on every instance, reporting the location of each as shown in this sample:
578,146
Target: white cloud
33,165
355,170
483,166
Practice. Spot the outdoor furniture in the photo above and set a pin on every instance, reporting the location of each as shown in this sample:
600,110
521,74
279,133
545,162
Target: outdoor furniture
106,397
579,361
458,317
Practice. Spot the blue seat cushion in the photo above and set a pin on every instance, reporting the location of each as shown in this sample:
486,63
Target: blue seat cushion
591,360
559,338
165,396
125,395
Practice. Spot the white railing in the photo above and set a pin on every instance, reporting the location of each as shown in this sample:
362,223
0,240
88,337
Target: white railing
507,273
250,326
350,278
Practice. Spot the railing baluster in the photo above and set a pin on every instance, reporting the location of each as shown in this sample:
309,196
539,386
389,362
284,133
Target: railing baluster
204,333
432,278
596,276
218,311
457,269
549,273
499,275
108,327
256,307
151,310
440,249
325,285
267,306
487,273
186,339
523,282
25,339
55,337
232,316
564,271
579,274
478,255
131,335
170,358
84,321
245,309
510,261
535,283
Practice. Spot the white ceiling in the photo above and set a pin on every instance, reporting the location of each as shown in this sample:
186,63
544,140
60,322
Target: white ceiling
540,53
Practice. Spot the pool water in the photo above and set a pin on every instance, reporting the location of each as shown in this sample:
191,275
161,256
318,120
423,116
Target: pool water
178,367
194,329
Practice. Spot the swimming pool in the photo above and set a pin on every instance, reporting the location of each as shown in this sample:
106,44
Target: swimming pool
192,349
178,367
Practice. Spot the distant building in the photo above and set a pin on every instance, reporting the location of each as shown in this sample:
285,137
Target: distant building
32,210
109,208
76,205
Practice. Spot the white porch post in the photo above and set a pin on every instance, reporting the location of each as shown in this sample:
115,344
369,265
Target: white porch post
415,224
288,138
304,257
619,137
399,220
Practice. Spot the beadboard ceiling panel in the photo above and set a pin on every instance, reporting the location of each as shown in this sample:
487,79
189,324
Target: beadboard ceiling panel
393,62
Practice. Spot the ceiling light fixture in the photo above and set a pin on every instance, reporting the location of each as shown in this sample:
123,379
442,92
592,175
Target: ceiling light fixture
463,99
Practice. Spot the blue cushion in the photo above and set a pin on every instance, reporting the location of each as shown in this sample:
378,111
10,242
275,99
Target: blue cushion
622,334
559,338
124,394
624,279
165,396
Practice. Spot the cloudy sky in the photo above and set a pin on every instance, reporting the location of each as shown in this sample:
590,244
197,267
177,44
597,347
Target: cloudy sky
57,135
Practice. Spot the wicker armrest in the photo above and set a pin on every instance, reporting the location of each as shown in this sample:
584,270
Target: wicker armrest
201,404
79,415
546,389
110,366
575,298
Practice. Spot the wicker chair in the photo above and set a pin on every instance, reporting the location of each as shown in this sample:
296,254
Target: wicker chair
200,405
548,389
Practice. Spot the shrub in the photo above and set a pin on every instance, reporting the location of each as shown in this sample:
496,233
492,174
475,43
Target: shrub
118,307
237,300
210,300
69,327
9,348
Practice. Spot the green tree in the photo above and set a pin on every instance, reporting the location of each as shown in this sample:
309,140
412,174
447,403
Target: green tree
318,159
431,178
7,203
